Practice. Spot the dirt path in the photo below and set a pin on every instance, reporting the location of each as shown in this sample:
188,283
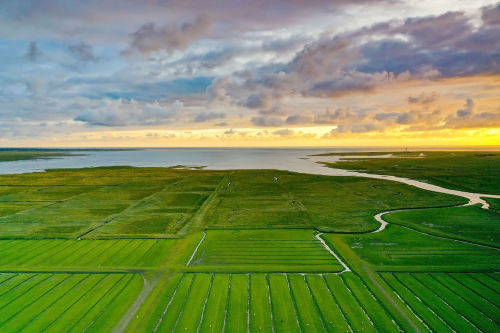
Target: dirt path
146,290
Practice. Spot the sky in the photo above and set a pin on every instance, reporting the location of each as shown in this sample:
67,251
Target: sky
180,73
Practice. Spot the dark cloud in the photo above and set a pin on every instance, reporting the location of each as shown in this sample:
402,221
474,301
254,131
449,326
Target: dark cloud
340,115
216,92
423,120
298,120
276,110
491,14
266,121
222,124
124,113
82,52
149,38
33,52
319,60
467,110
354,129
423,98
203,117
383,116
284,132
467,118
257,101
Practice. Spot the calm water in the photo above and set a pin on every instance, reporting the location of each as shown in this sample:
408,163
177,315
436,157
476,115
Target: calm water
213,158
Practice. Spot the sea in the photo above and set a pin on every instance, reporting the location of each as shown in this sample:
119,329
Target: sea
296,159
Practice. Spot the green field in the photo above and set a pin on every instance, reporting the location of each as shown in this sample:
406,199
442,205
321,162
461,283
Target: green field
122,249
470,171
263,251
66,302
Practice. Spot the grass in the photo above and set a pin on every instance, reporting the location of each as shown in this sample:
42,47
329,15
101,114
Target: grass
329,204
263,251
469,223
260,307
103,202
446,169
193,308
170,317
401,249
284,315
62,254
237,307
309,319
215,309
65,302
444,303
260,225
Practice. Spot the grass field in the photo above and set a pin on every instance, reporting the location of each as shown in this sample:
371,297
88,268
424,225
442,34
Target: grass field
329,204
470,171
65,302
271,302
184,250
467,223
449,302
263,251
84,253
402,249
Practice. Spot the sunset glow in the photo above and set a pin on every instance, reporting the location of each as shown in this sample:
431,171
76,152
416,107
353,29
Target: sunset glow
249,73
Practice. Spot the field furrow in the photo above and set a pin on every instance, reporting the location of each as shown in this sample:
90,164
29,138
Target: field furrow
443,310
215,309
171,316
190,316
237,311
284,315
260,309
350,307
424,313
309,318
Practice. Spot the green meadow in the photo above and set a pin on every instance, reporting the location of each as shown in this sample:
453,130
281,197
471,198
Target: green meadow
123,249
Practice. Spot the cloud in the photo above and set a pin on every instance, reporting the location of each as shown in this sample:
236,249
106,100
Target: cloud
423,98
467,118
35,86
353,81
82,52
216,92
384,116
222,124
276,110
467,110
257,101
340,115
321,59
298,120
266,121
284,132
203,117
491,14
149,38
33,53
120,113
